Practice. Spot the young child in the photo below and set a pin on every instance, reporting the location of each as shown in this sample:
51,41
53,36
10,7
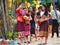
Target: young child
37,30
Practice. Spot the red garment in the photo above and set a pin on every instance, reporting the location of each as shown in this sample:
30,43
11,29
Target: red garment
20,26
19,11
4,43
20,18
27,30
39,22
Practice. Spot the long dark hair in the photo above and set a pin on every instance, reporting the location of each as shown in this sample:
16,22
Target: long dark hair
46,10
29,9
33,10
32,13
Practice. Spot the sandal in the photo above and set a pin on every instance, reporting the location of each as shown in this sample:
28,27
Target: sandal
28,42
44,43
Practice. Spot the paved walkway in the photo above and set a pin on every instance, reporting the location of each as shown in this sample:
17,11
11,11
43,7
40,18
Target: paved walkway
51,41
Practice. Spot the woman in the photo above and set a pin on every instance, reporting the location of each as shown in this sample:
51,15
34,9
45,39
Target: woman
30,11
44,24
20,20
50,21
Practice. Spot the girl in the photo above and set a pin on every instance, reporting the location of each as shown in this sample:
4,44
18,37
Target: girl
38,16
37,31
27,18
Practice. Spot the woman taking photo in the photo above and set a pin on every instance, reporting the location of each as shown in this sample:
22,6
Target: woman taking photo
20,20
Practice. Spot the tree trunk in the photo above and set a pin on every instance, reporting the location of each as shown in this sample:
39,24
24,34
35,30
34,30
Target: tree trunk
7,16
3,18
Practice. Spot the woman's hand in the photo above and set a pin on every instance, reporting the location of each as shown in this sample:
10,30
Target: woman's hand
42,20
46,19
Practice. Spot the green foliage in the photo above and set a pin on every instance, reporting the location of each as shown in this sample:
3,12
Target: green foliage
9,34
15,34
34,1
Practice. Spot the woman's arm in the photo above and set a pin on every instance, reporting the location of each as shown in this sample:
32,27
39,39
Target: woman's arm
44,18
50,15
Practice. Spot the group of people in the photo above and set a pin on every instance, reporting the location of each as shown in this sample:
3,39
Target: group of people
33,24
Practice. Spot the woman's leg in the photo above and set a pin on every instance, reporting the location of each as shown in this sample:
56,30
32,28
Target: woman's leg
37,34
41,39
19,34
36,37
46,38
25,39
19,38
50,28
29,38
